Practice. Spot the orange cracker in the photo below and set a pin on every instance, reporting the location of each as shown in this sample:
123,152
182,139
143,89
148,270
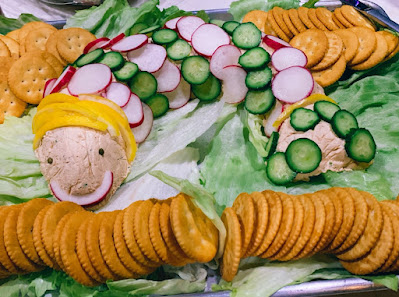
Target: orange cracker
371,233
57,238
391,39
391,55
278,16
257,17
51,59
314,19
36,39
394,206
51,218
232,249
287,221
5,259
195,232
330,222
6,63
356,18
325,16
244,206
341,18
337,22
307,229
28,76
351,43
107,246
299,215
276,210
367,44
262,220
72,41
303,16
14,34
378,255
24,31
289,24
296,21
313,43
12,45
25,223
51,47
14,249
4,50
330,75
275,27
10,105
335,47
380,52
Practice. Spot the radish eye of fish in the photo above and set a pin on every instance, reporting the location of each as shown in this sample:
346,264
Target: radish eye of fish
50,160
101,152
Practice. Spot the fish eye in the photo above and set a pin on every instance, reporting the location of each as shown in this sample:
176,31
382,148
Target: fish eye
101,152
50,160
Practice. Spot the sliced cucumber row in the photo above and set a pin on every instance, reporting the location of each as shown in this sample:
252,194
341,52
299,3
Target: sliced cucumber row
360,145
178,50
278,171
159,104
343,122
259,102
271,145
209,90
230,26
144,85
326,110
89,58
246,36
258,79
303,119
164,36
195,70
255,58
126,72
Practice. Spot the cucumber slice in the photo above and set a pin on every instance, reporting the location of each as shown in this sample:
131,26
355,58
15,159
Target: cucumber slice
258,79
256,58
230,26
159,105
271,145
217,22
195,70
209,90
326,110
277,169
89,58
259,102
303,119
137,28
164,36
144,85
126,72
113,60
360,145
246,36
178,50
303,155
343,122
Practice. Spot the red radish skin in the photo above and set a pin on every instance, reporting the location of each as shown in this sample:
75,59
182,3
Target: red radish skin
90,79
234,88
65,91
134,111
113,41
180,96
275,42
286,57
208,38
171,24
118,93
187,26
273,116
149,57
168,77
95,44
64,79
225,55
48,86
292,84
141,132
130,43
88,199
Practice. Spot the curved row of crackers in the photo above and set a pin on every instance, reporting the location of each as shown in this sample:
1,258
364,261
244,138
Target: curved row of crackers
360,231
93,248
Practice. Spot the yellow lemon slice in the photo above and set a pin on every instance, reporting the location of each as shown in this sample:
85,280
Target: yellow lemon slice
104,101
42,118
56,98
304,102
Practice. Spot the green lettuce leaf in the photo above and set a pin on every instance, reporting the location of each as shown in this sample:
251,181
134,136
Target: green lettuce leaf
310,3
8,24
254,123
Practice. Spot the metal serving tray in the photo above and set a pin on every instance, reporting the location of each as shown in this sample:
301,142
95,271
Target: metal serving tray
312,288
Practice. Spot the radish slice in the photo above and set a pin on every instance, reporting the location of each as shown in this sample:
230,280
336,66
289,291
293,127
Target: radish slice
64,78
90,79
88,199
141,132
113,41
234,88
149,57
180,96
225,55
95,44
273,116
65,91
292,84
171,24
134,111
286,57
207,38
187,25
130,43
275,42
119,93
48,86
168,77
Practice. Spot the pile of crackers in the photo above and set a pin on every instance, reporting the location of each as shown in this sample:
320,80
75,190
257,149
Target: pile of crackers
360,231
331,40
93,248
30,56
